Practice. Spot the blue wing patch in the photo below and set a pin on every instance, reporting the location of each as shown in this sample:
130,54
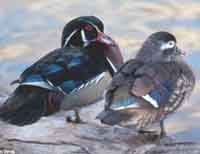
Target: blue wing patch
53,68
168,85
34,78
129,102
70,85
160,95
74,62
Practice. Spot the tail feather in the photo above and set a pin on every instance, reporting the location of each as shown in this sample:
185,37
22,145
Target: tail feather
25,106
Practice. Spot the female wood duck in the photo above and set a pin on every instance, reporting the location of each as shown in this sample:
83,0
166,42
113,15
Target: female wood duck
150,87
86,52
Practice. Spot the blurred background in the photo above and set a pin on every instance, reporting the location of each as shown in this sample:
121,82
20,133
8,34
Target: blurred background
30,29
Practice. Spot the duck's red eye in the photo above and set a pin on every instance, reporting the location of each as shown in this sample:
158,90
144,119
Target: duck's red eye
88,28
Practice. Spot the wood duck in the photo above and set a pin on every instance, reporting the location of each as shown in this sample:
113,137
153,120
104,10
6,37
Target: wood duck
86,52
150,87
71,35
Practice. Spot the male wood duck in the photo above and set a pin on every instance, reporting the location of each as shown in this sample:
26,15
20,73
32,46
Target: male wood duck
86,52
71,35
150,87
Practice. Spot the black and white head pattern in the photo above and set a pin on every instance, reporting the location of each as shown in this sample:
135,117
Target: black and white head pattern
159,47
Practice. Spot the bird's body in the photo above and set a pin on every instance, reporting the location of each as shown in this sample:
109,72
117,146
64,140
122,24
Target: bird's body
164,83
65,68
145,92
43,86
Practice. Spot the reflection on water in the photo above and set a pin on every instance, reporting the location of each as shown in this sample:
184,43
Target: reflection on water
30,29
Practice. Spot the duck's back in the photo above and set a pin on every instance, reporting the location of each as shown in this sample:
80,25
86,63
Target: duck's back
66,68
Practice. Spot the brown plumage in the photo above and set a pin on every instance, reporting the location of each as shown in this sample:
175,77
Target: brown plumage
147,89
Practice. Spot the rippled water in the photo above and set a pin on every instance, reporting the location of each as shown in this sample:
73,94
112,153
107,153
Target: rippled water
30,29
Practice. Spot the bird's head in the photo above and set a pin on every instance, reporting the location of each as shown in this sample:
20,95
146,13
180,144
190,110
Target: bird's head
86,31
160,46
81,31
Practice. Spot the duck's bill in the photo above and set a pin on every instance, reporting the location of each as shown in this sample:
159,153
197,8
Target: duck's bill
180,52
104,39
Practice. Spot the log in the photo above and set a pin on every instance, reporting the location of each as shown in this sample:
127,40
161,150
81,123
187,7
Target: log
53,135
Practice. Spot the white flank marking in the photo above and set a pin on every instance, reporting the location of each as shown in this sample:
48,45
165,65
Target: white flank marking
58,87
99,77
81,86
41,84
135,105
151,100
111,64
95,80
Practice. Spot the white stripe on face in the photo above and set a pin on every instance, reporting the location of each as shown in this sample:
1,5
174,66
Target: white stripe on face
69,37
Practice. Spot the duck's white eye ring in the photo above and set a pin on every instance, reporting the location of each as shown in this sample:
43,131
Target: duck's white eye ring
171,44
168,45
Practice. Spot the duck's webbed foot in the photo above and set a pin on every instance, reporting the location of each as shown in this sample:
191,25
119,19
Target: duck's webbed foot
75,118
154,135
149,135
